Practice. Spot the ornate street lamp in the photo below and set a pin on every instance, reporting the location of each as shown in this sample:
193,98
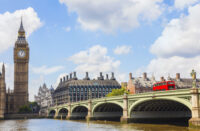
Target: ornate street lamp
193,75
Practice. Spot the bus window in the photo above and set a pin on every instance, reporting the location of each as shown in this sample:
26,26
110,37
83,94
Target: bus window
171,87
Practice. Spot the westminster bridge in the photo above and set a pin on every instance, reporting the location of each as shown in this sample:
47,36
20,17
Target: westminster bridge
174,104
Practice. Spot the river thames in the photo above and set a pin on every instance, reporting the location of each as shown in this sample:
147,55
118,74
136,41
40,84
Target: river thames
66,125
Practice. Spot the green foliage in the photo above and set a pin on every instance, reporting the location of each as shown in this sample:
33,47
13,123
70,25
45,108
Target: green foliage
31,107
32,104
118,92
25,109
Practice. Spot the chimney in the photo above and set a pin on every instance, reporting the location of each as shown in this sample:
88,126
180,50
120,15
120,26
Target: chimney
162,78
177,76
130,76
112,77
86,76
107,77
70,76
75,78
144,75
60,80
63,79
101,76
67,77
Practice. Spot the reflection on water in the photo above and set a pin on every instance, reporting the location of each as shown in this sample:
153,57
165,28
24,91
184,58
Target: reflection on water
65,125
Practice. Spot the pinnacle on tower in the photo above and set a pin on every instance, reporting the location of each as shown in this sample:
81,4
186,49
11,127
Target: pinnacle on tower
3,69
21,29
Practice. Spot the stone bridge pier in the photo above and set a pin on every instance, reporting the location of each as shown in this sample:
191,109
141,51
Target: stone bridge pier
125,118
195,120
89,115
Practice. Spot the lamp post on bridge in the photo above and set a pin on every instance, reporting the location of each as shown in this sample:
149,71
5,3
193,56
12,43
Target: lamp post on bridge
193,75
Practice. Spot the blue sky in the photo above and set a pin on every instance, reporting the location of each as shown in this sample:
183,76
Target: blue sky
157,37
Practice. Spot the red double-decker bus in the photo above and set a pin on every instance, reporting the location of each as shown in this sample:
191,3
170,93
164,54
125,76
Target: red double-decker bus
165,85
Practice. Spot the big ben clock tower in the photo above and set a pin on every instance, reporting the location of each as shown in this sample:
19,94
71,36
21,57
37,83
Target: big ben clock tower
21,61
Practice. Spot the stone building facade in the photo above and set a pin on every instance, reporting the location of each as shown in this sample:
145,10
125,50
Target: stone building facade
44,99
21,64
140,84
71,89
2,93
11,101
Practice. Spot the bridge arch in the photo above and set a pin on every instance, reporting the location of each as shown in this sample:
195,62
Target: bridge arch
100,103
79,112
62,113
161,110
179,100
51,113
107,111
79,106
63,108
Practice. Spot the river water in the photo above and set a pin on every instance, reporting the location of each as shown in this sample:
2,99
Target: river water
66,125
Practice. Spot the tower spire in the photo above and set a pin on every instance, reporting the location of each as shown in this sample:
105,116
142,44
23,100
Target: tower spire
3,70
21,29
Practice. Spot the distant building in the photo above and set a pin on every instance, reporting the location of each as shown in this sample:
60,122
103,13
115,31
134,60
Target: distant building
140,84
70,89
145,84
44,98
182,83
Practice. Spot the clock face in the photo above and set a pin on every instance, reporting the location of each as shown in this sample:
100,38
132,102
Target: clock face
21,53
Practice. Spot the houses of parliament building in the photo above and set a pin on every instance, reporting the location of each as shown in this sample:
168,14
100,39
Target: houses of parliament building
12,100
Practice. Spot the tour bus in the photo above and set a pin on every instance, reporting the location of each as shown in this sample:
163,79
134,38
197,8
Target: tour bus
164,85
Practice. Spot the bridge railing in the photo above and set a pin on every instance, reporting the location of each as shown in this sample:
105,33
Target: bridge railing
179,91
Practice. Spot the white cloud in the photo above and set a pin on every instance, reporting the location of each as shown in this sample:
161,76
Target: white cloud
58,79
164,66
34,86
95,60
67,29
181,4
10,22
46,70
177,49
124,49
180,37
111,15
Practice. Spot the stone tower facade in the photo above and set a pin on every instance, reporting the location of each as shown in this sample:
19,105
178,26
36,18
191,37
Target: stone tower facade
2,93
21,64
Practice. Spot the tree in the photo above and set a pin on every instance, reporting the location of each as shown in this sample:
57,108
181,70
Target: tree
25,109
117,92
31,107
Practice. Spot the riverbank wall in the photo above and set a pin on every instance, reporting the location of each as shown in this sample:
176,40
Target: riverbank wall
22,116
